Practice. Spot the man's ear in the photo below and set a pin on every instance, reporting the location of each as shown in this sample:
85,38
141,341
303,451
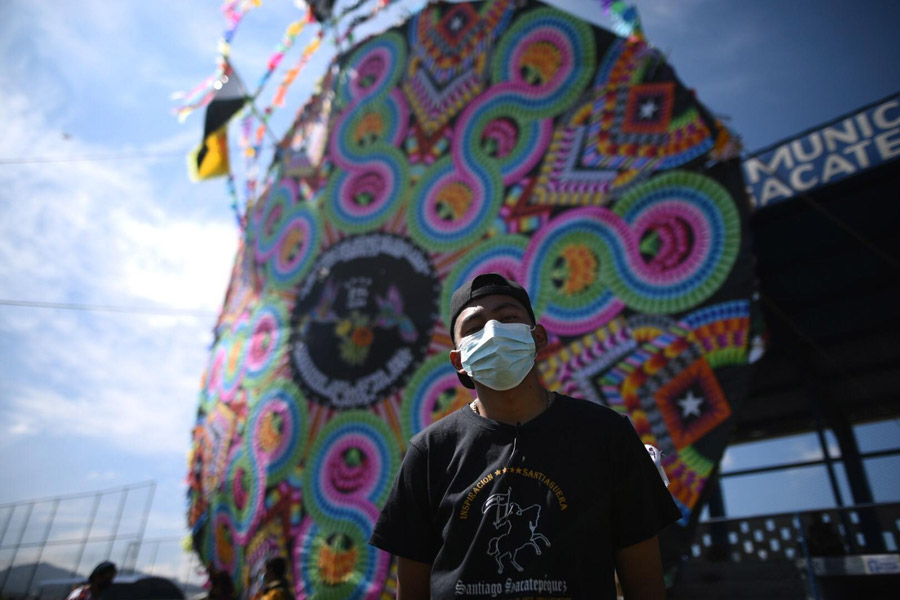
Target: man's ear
540,337
456,361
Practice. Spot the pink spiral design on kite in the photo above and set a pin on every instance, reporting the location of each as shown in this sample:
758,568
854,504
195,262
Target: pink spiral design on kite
264,339
677,215
341,481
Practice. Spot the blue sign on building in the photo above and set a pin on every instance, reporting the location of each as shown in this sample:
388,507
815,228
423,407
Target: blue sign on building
845,147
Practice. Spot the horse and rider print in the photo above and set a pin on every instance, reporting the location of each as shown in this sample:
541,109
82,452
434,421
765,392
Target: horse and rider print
517,527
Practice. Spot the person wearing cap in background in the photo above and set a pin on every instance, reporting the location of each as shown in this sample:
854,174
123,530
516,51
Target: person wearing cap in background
525,492
100,578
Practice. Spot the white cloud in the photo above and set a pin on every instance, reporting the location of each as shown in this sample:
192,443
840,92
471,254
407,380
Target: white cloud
163,275
112,384
119,43
23,427
96,226
103,233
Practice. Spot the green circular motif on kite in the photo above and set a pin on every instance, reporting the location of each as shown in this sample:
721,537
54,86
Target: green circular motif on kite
371,175
267,340
502,254
432,394
335,561
669,244
353,463
277,430
450,208
685,236
298,239
244,490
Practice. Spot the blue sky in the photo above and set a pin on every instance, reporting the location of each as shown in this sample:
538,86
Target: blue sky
92,400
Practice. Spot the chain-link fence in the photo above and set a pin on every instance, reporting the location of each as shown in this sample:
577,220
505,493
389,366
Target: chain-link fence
62,538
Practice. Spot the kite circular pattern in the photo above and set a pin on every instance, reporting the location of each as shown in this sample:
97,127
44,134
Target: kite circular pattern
587,264
513,138
268,218
432,393
299,236
352,467
361,325
230,353
266,341
456,206
502,254
562,270
540,67
277,425
225,550
338,563
370,176
244,488
688,203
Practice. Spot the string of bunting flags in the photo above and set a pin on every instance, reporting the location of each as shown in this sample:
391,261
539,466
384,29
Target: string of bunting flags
251,141
234,12
626,21
210,159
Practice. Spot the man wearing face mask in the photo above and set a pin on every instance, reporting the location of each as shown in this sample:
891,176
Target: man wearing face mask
525,492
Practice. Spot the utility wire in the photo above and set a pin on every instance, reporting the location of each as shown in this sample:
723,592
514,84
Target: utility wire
65,159
41,160
62,159
137,310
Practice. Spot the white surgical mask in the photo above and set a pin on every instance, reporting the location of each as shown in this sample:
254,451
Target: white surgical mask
500,355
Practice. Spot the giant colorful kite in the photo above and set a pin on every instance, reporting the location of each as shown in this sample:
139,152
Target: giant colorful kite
497,136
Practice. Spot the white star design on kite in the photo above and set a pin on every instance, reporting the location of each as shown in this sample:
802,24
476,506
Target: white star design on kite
690,404
456,23
648,109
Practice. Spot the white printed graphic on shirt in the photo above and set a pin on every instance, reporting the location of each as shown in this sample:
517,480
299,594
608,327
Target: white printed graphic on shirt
518,529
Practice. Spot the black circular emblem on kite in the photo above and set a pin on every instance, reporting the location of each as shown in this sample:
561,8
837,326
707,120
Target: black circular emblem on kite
363,319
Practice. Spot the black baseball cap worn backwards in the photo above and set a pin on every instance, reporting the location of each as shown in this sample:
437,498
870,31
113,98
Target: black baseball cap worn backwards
486,284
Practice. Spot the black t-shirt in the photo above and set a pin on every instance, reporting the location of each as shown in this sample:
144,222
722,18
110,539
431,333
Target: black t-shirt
529,511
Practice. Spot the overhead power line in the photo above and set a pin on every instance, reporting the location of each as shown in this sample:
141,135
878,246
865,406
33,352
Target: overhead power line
62,159
106,157
138,310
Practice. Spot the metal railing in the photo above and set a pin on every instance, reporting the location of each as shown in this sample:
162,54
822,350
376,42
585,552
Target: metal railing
854,540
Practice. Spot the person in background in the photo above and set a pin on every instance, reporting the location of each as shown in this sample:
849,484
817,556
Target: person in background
524,493
100,578
823,538
275,585
221,587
